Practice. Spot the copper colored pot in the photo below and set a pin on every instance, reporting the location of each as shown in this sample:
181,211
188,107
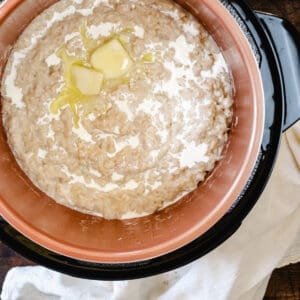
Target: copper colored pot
93,239
90,238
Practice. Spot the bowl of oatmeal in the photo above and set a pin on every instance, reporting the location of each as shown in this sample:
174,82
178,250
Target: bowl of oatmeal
128,128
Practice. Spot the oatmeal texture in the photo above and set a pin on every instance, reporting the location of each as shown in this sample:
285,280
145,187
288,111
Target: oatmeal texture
165,128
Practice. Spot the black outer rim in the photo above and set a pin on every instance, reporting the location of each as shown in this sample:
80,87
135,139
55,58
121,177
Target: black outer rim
219,232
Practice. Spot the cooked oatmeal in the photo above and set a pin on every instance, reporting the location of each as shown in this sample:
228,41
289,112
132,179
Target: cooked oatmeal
145,139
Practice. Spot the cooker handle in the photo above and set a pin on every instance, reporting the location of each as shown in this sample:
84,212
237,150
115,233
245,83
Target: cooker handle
286,43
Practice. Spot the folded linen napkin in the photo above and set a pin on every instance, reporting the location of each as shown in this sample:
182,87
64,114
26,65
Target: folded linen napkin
238,269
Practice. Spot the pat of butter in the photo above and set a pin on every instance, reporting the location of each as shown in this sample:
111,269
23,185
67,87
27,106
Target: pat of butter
87,80
111,59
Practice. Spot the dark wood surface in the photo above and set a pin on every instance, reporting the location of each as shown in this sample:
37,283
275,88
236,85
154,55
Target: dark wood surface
285,282
9,259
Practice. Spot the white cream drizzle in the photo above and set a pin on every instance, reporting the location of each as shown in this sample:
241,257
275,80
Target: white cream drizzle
70,36
12,91
131,185
116,176
139,31
193,154
154,153
103,29
42,153
124,107
109,187
50,133
149,106
171,13
190,28
179,75
52,60
92,184
218,67
182,50
82,133
91,117
95,172
131,141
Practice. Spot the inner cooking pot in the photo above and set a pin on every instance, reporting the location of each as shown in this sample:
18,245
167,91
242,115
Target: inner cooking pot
95,239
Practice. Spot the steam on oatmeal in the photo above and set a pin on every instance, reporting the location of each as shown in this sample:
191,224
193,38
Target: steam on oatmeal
116,108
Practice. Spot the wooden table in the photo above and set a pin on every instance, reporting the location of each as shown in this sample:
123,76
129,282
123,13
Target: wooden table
285,282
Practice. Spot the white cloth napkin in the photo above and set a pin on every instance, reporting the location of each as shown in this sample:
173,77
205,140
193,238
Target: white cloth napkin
238,269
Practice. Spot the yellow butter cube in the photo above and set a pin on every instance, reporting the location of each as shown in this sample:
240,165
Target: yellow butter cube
87,80
111,59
